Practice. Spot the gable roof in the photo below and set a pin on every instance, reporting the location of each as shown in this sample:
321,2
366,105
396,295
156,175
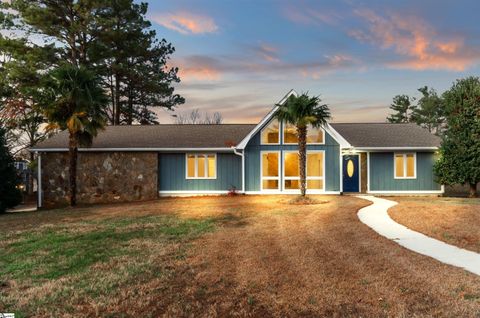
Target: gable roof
157,137
386,135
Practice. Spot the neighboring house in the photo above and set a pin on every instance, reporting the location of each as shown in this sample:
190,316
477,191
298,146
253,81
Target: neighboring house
23,173
127,163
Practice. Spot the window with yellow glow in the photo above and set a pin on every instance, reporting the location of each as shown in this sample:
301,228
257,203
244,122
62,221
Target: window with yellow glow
314,135
271,133
201,166
405,166
291,170
270,170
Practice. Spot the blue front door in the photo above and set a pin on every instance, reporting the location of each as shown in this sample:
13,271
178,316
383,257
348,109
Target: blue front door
350,173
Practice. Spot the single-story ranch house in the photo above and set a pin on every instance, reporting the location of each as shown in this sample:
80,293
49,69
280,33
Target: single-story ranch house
127,163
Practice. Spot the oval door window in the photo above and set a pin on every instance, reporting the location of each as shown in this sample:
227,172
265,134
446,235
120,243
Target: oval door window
350,168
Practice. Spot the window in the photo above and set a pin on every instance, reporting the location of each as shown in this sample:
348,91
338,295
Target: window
201,166
270,171
270,133
314,135
405,166
315,168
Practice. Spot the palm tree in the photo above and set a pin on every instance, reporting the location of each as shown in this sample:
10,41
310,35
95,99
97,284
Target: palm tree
303,111
75,101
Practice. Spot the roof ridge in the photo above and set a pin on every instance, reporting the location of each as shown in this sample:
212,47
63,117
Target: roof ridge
371,123
227,124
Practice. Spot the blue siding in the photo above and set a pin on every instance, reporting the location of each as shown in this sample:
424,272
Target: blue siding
382,174
252,161
171,170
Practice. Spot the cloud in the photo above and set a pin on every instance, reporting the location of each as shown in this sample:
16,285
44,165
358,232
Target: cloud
418,43
267,52
330,64
311,16
210,68
186,22
198,67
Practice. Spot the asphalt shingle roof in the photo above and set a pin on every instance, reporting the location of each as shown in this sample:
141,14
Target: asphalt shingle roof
386,135
227,135
160,136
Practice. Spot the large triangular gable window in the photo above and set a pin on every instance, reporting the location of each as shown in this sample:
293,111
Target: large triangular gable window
270,134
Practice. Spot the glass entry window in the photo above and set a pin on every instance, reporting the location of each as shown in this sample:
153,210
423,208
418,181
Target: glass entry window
270,170
315,170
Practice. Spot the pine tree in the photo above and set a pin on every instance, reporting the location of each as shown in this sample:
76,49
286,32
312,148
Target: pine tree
403,108
10,196
429,112
459,161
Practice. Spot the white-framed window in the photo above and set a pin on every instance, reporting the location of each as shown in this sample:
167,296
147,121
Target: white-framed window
270,134
201,165
315,170
315,136
405,165
270,170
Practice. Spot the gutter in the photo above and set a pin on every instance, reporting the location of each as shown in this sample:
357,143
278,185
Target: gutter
130,149
241,154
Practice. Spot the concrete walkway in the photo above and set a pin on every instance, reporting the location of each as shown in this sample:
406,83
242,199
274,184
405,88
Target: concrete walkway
376,217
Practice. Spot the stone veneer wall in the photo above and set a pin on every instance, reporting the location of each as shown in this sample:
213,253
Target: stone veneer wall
102,177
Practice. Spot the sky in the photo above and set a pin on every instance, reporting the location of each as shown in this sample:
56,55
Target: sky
241,57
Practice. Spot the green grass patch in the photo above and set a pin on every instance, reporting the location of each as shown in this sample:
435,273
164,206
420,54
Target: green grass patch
53,252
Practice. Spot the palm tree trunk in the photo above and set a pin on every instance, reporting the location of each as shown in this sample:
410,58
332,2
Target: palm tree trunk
302,153
73,154
473,190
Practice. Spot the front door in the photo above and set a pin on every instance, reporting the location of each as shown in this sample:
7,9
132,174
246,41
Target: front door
350,173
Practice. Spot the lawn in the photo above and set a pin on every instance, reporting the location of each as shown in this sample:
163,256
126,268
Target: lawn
452,220
217,256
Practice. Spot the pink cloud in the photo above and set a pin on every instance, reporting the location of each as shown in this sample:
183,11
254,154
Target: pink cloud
268,52
417,41
186,22
198,68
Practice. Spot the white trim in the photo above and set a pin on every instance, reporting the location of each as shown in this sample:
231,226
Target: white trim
284,178
404,154
230,149
242,144
344,144
340,165
196,157
368,172
39,181
242,155
291,192
191,193
279,132
270,178
407,192
296,143
372,149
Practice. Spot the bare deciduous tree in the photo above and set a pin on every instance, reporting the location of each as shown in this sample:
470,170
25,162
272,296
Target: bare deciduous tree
194,117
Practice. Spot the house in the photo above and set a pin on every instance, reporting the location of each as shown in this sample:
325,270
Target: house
127,163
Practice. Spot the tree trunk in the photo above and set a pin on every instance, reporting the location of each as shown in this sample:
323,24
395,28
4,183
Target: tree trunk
73,154
117,98
473,190
302,154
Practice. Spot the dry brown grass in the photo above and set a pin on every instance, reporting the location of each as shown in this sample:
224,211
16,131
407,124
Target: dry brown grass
452,220
266,258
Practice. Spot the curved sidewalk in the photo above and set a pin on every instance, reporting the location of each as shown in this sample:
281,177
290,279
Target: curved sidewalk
376,217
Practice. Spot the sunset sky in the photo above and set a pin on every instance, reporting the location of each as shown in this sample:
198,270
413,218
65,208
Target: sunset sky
240,57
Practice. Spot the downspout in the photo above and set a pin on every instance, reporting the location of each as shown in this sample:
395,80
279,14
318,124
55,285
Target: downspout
39,180
241,154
